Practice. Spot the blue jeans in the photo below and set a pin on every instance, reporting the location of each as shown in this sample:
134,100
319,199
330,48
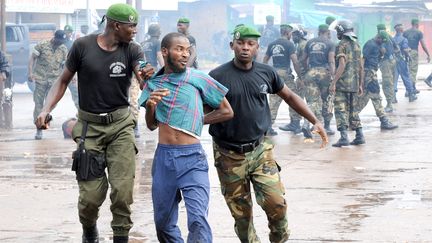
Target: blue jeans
402,70
181,170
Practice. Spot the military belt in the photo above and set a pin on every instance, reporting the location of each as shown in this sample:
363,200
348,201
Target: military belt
239,148
103,118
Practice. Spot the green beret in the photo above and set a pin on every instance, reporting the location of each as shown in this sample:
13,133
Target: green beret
383,34
414,21
381,27
183,20
68,28
286,26
123,13
330,20
242,32
323,27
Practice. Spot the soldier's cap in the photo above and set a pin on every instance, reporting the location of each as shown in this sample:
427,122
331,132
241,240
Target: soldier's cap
68,28
383,34
414,21
286,26
330,20
381,27
123,13
397,25
323,27
183,20
60,36
269,17
244,31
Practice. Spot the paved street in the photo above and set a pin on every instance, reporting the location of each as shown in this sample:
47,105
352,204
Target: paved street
377,192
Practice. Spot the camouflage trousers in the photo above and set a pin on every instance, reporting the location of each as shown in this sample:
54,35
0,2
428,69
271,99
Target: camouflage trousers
275,100
345,116
317,82
371,91
39,95
387,67
134,93
236,173
413,65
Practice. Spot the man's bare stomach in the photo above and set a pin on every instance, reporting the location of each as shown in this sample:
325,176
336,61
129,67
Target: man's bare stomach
169,135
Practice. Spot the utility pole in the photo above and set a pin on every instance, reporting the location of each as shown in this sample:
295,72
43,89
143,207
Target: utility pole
3,25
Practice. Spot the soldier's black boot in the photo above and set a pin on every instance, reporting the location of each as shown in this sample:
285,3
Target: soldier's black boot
386,124
120,239
327,128
343,140
306,131
38,135
90,235
293,126
359,138
412,97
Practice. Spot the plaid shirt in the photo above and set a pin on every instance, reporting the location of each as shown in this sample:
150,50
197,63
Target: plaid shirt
189,91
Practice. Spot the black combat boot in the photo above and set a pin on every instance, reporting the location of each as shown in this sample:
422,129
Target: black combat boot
90,235
343,140
416,91
307,131
386,124
120,239
327,128
293,126
412,97
359,138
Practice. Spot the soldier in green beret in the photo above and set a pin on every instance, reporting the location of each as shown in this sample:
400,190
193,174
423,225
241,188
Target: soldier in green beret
415,36
329,20
183,27
243,154
105,64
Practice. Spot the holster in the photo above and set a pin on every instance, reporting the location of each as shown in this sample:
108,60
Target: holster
88,165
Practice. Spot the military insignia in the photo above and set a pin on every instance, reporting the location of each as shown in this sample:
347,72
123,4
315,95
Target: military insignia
237,35
131,18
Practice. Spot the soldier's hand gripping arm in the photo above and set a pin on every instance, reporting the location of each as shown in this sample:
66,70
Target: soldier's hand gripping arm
143,71
151,103
301,107
54,95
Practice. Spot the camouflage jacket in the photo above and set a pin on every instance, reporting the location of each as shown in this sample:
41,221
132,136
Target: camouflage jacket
350,50
4,65
49,61
300,51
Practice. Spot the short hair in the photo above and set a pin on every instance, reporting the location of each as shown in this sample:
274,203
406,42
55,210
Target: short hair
167,39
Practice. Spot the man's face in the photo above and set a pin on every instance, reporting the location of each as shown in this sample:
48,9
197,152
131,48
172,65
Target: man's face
177,55
399,29
379,40
126,32
245,50
182,27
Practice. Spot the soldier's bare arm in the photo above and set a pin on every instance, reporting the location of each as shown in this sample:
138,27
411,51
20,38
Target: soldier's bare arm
339,71
331,60
266,59
423,44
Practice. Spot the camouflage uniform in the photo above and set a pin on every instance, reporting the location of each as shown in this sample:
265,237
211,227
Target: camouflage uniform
300,51
236,172
347,85
371,91
387,68
413,65
275,100
48,67
317,82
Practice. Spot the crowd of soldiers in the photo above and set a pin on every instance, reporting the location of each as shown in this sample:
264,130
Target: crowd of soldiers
341,77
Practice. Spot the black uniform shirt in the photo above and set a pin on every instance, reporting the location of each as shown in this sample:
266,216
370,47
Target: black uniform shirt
151,47
317,50
247,95
413,36
371,54
281,50
104,77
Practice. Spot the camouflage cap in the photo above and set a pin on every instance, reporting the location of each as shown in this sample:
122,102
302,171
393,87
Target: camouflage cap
330,20
383,34
68,28
183,20
381,27
323,27
414,21
244,31
123,13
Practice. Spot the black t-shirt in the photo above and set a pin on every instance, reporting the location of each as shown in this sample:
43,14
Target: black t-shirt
281,50
151,48
317,50
371,54
104,76
192,41
247,94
